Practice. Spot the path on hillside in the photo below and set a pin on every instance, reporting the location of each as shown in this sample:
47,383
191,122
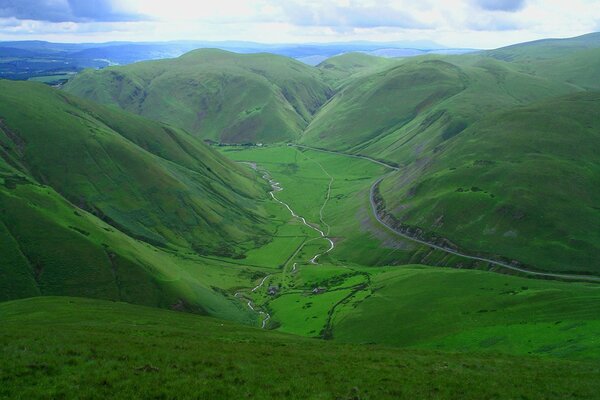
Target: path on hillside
373,188
276,187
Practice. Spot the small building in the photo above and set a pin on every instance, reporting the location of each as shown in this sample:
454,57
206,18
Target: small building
319,290
273,290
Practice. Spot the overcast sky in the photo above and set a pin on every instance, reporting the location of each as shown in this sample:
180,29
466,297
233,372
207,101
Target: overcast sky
461,23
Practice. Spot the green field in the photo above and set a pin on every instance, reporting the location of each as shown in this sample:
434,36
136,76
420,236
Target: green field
76,348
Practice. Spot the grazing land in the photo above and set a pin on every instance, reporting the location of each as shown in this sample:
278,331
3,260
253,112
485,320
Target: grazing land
72,348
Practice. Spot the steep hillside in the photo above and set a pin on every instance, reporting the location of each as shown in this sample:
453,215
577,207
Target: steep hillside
522,184
406,110
214,94
86,192
74,348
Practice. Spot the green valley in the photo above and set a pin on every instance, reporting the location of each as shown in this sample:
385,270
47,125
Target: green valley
227,225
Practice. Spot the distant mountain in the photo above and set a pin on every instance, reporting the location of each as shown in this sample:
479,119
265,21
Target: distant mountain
38,58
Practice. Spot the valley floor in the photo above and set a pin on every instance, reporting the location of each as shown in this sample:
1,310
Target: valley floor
411,304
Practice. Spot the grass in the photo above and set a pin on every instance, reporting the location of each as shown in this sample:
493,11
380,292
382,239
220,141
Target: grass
474,311
305,176
95,349
100,203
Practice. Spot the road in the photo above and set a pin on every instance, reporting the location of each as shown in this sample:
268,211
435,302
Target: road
586,278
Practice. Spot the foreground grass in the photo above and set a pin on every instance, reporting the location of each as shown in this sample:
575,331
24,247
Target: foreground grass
77,348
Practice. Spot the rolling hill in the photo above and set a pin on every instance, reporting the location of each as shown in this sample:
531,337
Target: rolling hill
95,202
344,67
214,94
415,105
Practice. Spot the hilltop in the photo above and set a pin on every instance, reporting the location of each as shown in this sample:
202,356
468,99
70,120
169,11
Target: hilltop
214,94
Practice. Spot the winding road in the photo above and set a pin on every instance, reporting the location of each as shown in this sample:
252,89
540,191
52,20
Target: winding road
571,277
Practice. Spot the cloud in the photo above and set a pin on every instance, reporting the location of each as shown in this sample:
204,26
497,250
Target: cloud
349,16
64,11
501,5
494,23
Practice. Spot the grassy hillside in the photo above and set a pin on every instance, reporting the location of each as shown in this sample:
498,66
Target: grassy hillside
341,69
214,94
522,184
96,349
405,111
151,181
475,311
95,202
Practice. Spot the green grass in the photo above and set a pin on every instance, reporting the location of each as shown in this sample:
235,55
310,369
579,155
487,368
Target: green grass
475,311
52,79
342,69
77,348
214,94
412,306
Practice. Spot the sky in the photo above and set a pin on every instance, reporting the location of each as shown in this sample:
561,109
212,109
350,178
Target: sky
479,24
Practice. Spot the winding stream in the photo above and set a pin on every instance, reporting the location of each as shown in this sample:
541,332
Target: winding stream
276,187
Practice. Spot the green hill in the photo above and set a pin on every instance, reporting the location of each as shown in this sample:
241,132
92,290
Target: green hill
77,348
404,111
93,201
214,94
573,60
522,184
340,69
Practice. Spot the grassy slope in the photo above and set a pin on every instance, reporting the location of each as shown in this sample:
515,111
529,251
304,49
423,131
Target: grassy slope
152,181
339,70
523,184
417,104
97,349
415,306
414,124
572,60
473,311
64,163
214,94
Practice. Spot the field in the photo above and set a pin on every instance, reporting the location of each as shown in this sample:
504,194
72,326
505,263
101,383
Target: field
80,348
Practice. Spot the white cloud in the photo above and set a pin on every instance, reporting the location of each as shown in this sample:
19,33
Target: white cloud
466,23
